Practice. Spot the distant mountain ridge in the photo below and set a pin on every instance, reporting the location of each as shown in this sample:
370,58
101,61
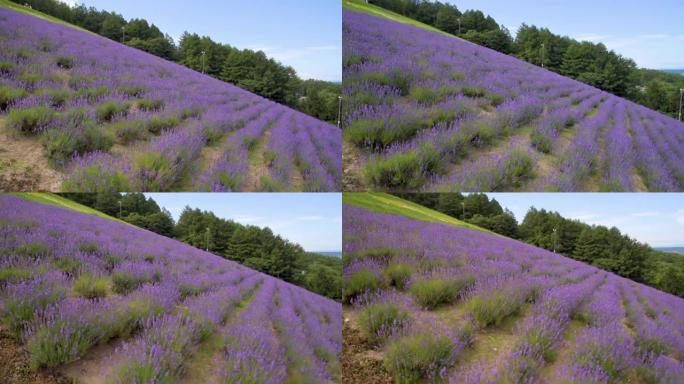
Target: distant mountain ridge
679,71
329,253
670,249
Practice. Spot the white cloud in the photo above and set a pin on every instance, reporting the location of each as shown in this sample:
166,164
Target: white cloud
583,216
285,54
71,3
310,218
593,37
248,218
679,216
646,214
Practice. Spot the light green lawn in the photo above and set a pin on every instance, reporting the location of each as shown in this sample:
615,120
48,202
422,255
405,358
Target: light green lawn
361,6
386,203
59,201
33,12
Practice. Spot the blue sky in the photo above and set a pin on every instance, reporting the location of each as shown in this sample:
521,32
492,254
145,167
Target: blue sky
650,32
304,34
313,220
653,218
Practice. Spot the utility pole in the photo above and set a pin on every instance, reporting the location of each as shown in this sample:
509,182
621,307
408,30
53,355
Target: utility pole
463,207
555,240
123,35
339,111
207,239
681,93
542,55
119,209
459,25
204,54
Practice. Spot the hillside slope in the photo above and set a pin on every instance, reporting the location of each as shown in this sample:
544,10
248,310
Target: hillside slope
386,203
97,300
134,121
428,300
429,111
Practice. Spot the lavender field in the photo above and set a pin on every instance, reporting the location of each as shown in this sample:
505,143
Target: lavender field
84,113
431,302
101,301
432,112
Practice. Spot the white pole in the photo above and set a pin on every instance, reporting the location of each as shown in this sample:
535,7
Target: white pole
207,239
542,55
203,55
339,112
681,92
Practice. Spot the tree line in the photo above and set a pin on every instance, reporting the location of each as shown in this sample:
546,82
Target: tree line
248,69
252,246
590,63
603,247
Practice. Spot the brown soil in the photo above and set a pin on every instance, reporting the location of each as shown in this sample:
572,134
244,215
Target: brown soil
564,354
352,180
360,363
96,366
24,166
257,165
15,366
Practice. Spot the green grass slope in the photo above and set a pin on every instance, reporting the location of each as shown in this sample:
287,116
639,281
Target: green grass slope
386,203
361,6
59,201
33,12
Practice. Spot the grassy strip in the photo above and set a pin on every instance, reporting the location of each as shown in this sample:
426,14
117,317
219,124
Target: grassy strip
61,202
386,203
374,10
33,12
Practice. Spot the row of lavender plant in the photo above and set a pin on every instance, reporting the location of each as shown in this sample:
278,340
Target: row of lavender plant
81,94
391,262
71,281
419,103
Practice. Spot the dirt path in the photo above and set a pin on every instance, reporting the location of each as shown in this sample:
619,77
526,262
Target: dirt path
97,366
521,138
257,166
203,366
352,173
361,364
24,165
564,355
491,344
15,367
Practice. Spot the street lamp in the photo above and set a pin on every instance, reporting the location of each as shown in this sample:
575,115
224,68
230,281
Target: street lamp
339,111
204,54
681,92
542,55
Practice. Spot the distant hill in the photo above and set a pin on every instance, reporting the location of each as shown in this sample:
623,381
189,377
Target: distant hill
670,249
679,71
330,253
